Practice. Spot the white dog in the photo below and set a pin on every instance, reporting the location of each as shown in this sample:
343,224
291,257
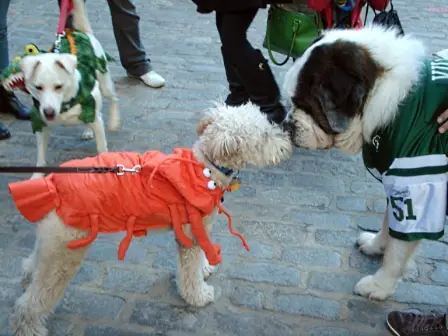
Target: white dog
375,91
68,86
229,139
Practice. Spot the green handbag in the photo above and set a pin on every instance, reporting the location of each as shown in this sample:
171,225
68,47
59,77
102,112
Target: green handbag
290,33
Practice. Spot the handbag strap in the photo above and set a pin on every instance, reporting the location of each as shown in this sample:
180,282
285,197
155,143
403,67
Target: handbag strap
374,11
296,27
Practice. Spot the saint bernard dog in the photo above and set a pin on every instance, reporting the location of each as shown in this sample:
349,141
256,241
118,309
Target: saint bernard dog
374,91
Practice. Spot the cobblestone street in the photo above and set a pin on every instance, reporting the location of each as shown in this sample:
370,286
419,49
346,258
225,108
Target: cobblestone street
301,219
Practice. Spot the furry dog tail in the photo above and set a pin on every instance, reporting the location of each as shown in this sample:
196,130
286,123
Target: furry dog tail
80,19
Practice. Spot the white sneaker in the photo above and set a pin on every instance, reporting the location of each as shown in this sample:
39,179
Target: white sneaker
153,79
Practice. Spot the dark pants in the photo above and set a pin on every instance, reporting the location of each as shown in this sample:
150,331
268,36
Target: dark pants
247,71
125,23
232,29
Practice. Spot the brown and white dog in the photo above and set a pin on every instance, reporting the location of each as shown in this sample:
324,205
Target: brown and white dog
346,86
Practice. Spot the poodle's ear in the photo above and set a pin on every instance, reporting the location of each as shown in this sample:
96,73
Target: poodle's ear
228,146
222,148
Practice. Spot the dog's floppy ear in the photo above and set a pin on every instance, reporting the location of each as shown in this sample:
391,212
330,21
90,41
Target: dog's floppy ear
227,146
29,66
218,138
222,146
340,76
351,72
67,62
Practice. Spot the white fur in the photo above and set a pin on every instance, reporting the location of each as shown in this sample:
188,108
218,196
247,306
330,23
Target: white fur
402,57
53,79
236,136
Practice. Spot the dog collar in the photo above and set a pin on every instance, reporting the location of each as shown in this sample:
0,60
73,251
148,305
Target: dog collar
226,171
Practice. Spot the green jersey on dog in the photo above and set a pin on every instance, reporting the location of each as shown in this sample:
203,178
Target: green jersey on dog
411,157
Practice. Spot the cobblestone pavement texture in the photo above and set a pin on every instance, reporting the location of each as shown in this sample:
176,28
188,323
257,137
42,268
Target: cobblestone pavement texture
301,219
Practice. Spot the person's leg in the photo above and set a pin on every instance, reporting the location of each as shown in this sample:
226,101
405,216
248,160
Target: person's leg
251,66
4,56
8,101
237,95
125,22
4,51
407,323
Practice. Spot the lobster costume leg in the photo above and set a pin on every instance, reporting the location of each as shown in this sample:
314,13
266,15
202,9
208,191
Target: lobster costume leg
212,251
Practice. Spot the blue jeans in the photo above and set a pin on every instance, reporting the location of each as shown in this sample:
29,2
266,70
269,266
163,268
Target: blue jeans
4,55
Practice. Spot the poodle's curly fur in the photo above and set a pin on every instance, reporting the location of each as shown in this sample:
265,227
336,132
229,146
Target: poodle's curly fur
232,137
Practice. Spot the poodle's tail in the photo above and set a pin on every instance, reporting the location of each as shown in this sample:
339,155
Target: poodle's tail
80,19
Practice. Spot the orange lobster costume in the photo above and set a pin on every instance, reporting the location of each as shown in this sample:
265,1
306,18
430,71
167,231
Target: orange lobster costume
170,190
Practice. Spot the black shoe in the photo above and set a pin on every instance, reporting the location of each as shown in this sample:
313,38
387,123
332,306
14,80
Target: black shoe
410,324
10,104
237,95
259,82
4,132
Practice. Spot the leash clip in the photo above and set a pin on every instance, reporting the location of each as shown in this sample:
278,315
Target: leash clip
121,169
57,43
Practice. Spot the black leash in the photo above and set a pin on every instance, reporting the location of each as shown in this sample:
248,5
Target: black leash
118,169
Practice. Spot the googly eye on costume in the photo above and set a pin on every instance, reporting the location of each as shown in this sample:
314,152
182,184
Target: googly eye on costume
211,185
207,172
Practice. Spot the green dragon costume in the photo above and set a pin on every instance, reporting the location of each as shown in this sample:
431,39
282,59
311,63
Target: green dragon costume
78,44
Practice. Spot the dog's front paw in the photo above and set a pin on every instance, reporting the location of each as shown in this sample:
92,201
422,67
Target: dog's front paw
369,245
200,296
87,135
27,325
114,125
207,271
375,288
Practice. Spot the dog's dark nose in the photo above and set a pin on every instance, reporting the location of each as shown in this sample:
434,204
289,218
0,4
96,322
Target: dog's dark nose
49,113
288,126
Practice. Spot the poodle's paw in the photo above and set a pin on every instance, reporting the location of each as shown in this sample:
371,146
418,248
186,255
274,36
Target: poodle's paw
199,296
207,270
369,244
24,324
375,288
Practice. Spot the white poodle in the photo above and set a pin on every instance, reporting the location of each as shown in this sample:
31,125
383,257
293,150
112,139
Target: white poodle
229,139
